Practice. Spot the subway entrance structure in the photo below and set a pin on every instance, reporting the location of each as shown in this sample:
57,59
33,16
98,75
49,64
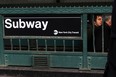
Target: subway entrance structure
50,33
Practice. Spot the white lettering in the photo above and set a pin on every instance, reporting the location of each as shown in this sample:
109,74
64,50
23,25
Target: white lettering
21,24
15,25
30,24
26,24
8,23
44,25
38,24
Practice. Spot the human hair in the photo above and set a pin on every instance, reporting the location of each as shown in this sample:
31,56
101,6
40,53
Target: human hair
97,15
107,17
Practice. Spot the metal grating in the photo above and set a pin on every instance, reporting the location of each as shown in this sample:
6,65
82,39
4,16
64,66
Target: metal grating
40,61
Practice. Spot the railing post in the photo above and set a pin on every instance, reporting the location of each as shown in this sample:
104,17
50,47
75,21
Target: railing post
1,42
84,32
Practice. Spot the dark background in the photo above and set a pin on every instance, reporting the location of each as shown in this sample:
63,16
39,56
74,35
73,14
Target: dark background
54,23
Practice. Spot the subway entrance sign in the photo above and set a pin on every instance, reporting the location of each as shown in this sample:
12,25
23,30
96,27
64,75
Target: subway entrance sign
43,25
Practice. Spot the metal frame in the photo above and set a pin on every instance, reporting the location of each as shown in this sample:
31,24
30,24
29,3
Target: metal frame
85,59
57,10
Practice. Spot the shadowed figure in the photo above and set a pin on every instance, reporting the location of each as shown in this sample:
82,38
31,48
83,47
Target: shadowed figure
110,70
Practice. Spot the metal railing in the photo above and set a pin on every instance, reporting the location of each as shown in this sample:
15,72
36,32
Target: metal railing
43,45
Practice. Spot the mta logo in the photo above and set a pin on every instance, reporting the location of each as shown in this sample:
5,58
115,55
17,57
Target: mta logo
55,32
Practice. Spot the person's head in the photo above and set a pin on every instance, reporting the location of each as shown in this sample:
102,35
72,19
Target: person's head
98,20
108,20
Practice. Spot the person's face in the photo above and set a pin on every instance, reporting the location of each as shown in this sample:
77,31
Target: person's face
98,21
109,23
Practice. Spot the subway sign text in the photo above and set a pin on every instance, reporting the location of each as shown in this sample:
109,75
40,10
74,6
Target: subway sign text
50,25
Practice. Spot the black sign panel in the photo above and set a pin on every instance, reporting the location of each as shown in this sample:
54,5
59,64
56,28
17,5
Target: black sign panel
43,26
